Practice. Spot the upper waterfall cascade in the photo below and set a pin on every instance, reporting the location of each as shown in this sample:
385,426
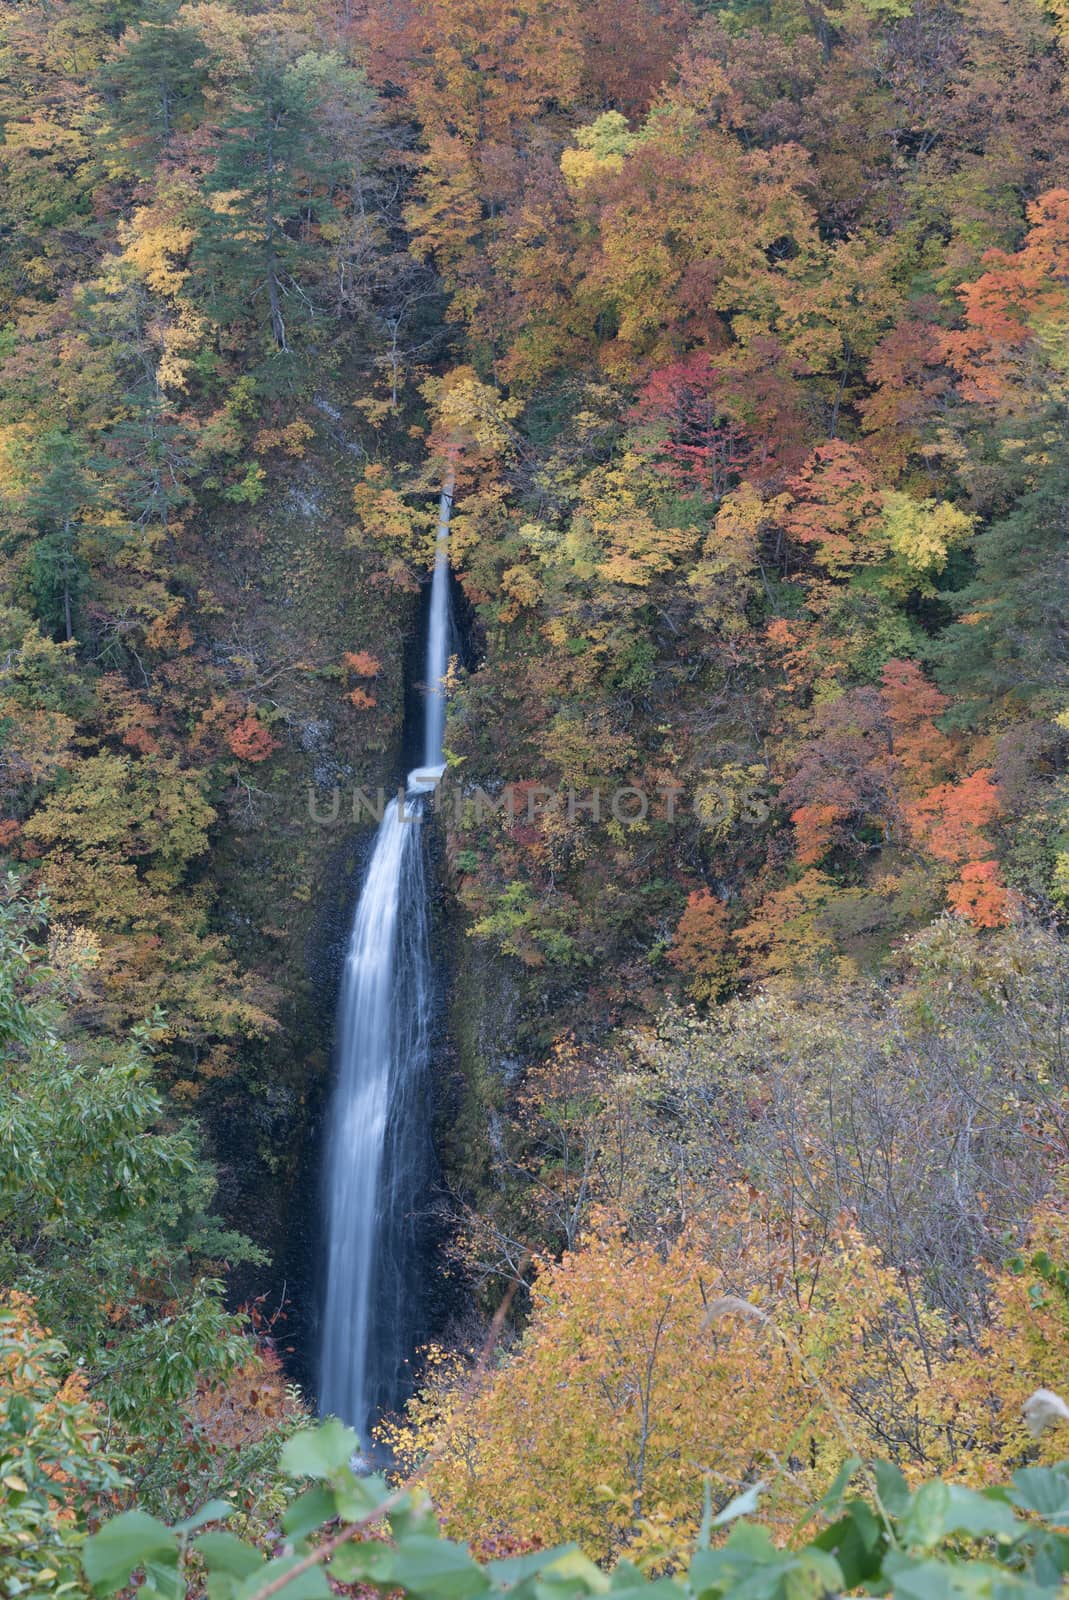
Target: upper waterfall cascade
438,638
379,1114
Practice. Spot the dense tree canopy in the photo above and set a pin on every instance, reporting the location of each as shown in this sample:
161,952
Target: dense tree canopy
741,326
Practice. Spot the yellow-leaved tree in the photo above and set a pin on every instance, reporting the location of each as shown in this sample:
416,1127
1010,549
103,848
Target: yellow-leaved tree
728,1355
976,1399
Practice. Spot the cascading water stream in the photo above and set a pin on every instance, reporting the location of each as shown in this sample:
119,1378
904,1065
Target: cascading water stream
376,1163
438,636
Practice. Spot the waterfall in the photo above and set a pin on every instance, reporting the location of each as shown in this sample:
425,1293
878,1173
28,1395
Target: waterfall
438,636
377,1150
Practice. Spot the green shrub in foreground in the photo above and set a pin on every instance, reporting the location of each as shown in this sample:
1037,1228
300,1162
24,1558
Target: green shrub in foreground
936,1541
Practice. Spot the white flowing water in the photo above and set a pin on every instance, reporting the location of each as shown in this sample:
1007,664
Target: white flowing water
378,1144
438,636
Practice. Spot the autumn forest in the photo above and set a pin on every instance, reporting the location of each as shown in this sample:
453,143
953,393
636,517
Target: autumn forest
720,1173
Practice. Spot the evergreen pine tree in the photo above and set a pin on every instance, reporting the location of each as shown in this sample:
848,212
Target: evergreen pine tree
153,88
271,190
57,504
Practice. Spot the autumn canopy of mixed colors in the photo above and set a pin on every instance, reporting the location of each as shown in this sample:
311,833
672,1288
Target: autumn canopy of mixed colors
742,329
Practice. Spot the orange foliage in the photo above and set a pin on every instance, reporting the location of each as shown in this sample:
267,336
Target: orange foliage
910,703
947,820
249,740
27,1381
291,439
815,830
699,946
1018,298
361,699
836,507
980,895
246,1408
363,663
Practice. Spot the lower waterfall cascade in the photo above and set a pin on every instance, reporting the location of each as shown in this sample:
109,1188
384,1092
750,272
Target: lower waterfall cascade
376,1167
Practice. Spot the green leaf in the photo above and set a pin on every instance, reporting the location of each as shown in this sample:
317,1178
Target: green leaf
163,1577
812,1573
856,1541
742,1505
122,1545
360,1561
649,1589
577,1567
1050,1558
927,1579
224,1552
318,1452
308,1585
925,1519
1043,1490
979,1516
706,1527
414,1515
512,1570
893,1488
625,1575
440,1570
749,1550
311,1510
214,1511
354,1497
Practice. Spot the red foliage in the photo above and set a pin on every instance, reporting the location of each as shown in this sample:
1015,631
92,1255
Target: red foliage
692,432
628,49
710,424
908,381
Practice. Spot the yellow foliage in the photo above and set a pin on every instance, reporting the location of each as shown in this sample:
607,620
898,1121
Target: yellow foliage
1058,10
631,1387
153,245
973,1402
468,412
384,515
1060,880
730,795
603,145
523,589
185,334
72,950
291,439
923,532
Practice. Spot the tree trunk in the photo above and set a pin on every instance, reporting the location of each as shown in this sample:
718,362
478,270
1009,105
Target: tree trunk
278,326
